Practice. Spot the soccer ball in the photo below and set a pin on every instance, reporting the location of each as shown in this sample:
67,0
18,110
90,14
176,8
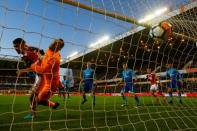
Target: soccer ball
161,31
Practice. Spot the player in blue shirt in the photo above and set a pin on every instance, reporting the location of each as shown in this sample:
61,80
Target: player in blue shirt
174,85
89,77
62,89
67,84
127,78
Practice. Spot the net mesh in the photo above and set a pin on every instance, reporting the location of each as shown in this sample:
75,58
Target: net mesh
106,33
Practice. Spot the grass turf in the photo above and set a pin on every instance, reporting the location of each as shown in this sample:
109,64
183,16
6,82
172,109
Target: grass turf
107,115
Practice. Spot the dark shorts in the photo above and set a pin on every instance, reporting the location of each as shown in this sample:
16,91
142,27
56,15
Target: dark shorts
88,86
128,88
174,84
67,88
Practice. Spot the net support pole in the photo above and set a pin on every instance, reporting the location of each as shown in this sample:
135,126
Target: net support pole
118,16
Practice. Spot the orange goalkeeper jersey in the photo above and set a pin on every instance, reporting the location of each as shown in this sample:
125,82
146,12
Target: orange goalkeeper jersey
49,67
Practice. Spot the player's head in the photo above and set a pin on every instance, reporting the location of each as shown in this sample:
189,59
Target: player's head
148,70
169,66
20,45
56,45
89,64
125,66
64,77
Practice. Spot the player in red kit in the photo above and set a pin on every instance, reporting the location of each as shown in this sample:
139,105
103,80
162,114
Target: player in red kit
154,87
30,56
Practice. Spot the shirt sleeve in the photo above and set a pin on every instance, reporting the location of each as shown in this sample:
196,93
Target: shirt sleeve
39,69
123,75
180,77
63,82
43,67
94,74
167,73
134,74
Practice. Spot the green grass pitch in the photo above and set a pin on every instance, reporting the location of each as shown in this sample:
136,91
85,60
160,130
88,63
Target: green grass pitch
107,115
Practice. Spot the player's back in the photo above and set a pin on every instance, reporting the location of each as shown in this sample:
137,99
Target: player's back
51,60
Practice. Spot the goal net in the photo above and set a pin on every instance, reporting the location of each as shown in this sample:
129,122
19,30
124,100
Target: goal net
108,34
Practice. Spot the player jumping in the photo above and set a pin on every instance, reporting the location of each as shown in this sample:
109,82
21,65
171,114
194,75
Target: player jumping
154,87
128,87
88,77
30,56
174,85
50,66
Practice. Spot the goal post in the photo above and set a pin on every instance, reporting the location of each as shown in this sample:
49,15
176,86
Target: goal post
121,17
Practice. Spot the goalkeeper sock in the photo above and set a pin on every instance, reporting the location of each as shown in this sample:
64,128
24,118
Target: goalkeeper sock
124,98
137,100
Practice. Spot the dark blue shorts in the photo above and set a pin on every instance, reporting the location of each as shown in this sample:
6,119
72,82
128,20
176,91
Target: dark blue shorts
67,88
128,88
174,84
88,86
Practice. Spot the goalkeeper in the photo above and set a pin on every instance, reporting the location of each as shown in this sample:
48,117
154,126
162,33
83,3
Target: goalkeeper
50,66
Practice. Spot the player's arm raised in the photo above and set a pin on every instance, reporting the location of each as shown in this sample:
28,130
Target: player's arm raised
158,79
164,76
135,76
156,69
120,82
180,78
